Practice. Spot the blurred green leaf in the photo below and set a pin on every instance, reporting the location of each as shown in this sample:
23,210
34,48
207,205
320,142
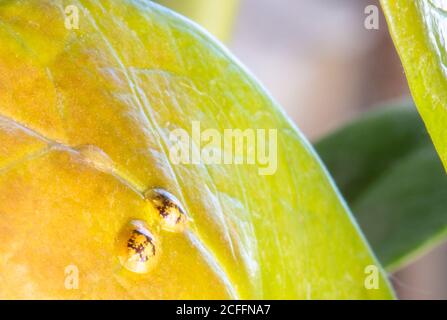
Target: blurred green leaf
389,172
217,16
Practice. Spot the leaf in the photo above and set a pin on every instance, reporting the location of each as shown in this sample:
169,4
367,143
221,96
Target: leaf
87,115
388,170
216,16
419,31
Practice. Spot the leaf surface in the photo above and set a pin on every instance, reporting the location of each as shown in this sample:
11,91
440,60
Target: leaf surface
89,113
419,31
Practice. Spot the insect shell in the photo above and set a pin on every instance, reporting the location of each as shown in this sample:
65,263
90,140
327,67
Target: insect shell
170,211
138,248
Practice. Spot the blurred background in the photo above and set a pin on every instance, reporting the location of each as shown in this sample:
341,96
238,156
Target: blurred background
325,68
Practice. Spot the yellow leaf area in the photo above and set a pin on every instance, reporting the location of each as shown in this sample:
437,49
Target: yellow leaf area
419,31
85,118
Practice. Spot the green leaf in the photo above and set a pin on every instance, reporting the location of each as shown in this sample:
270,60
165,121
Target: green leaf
419,30
86,123
216,16
389,172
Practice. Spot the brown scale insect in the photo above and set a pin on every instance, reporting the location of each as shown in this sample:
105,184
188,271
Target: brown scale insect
138,249
141,245
173,216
